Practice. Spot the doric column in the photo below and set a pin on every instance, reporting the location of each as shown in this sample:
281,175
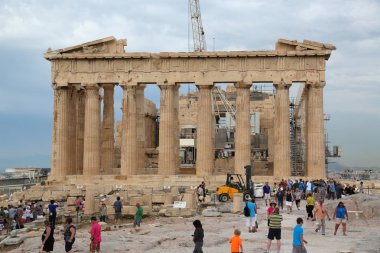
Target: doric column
108,129
177,128
72,108
140,121
315,131
91,155
243,128
205,132
129,132
167,157
81,102
60,140
282,131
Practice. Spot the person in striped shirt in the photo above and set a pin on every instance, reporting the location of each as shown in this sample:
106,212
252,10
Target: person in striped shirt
274,229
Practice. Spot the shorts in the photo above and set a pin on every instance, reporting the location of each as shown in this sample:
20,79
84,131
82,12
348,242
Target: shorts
137,222
117,215
274,233
340,220
95,246
251,221
69,245
298,201
298,249
266,195
289,203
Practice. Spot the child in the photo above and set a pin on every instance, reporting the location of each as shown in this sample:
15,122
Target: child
236,243
298,240
198,236
271,210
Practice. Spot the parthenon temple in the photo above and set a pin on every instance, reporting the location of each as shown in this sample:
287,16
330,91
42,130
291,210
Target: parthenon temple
84,78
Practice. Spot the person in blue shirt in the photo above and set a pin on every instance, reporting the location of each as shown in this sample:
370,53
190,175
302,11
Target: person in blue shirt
251,220
298,240
341,216
52,213
266,190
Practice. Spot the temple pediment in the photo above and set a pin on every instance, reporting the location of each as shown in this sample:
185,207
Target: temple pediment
106,45
294,45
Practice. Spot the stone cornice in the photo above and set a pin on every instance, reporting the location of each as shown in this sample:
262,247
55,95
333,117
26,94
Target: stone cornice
168,55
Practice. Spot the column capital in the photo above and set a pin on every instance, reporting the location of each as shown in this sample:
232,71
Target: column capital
108,85
282,85
243,85
91,86
315,84
167,86
205,86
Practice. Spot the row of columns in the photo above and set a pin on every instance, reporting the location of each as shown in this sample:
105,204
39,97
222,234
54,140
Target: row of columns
83,144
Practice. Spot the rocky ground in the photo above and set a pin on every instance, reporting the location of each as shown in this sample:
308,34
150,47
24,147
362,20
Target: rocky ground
174,234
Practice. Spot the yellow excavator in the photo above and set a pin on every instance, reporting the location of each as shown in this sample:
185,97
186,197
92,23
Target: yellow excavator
236,184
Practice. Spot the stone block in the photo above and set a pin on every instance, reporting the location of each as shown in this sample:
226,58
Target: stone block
147,191
190,199
13,241
168,199
147,210
225,208
17,196
237,204
147,200
33,195
134,200
110,210
172,212
158,198
73,192
71,201
129,210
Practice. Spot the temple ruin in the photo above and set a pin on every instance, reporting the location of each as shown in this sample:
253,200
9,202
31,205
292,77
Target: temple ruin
84,145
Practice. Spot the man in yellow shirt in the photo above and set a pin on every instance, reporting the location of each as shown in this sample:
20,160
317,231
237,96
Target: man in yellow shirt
320,213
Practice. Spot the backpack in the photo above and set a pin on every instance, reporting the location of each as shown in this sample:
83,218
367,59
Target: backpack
247,212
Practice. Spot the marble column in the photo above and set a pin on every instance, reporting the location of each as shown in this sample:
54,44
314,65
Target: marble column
80,130
167,157
243,128
60,138
129,132
176,129
315,131
72,107
91,155
282,168
140,121
205,132
108,129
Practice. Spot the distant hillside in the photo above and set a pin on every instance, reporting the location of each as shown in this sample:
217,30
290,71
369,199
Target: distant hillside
42,161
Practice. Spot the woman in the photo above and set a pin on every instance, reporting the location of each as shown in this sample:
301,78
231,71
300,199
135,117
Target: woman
298,195
289,201
69,235
310,206
280,197
341,216
198,236
271,208
47,238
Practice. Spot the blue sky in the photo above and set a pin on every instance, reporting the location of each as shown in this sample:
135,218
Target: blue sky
28,28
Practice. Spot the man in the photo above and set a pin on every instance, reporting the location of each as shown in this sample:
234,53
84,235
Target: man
251,220
320,213
298,241
138,218
331,190
96,238
266,190
52,213
339,190
274,229
69,235
309,187
118,206
78,204
321,190
361,187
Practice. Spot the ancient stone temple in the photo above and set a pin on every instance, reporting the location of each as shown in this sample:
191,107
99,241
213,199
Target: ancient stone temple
84,78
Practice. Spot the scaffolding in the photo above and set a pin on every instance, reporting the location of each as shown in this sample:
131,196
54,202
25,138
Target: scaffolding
297,144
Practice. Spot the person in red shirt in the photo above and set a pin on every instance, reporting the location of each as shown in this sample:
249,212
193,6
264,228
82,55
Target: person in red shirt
236,243
95,232
271,208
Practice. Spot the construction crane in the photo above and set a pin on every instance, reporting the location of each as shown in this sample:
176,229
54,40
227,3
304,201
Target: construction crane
196,23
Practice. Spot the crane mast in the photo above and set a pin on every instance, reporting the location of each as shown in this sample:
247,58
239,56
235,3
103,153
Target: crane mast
197,27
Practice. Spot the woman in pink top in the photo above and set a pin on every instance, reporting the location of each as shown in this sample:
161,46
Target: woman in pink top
95,232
